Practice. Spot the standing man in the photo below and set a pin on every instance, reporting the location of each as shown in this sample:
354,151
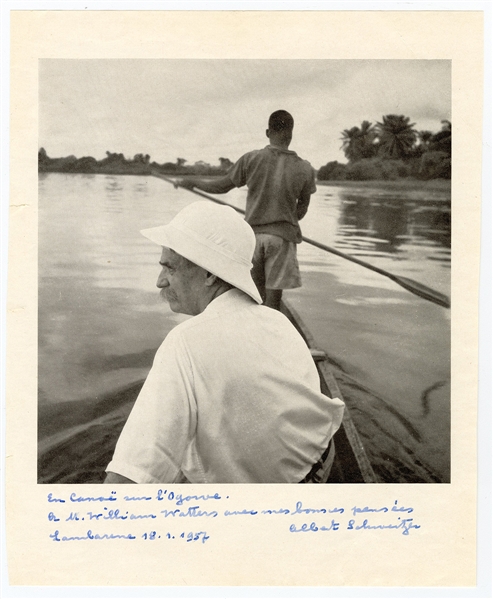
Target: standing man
279,185
233,395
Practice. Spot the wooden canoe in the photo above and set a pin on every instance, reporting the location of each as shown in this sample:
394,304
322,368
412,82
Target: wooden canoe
351,463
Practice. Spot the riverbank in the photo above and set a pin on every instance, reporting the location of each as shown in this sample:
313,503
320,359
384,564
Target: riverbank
93,168
397,184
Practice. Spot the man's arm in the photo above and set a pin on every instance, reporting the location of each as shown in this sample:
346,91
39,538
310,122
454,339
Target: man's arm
303,203
153,442
117,479
221,185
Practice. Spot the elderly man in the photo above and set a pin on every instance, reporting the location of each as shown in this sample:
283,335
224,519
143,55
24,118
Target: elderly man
233,395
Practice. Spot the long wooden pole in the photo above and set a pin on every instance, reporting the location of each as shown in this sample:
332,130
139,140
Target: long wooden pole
413,286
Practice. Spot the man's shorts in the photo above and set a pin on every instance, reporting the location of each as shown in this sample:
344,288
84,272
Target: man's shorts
275,265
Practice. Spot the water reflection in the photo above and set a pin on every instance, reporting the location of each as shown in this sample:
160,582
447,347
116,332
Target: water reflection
113,195
403,232
101,320
392,225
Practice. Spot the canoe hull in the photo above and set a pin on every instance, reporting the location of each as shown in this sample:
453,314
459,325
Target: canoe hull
351,464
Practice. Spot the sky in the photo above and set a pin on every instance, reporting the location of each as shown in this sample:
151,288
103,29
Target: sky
207,109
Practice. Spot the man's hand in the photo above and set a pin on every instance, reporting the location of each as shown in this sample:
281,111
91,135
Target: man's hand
303,203
188,183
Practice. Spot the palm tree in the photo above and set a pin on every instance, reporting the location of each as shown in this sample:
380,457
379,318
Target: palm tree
358,143
424,138
349,143
396,136
442,141
446,125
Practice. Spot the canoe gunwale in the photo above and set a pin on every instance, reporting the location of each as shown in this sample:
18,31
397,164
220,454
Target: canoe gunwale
351,455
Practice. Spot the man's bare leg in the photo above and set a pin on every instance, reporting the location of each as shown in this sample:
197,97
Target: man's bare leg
273,298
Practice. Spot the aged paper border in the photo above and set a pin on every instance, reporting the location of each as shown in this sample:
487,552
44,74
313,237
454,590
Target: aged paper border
445,556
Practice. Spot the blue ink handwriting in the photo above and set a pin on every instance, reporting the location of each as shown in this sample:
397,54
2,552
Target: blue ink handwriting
52,499
192,512
303,516
406,525
312,527
396,508
112,497
127,498
179,499
90,536
241,513
365,510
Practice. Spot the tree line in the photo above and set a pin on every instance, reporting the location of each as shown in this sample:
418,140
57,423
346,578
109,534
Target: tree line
116,164
392,149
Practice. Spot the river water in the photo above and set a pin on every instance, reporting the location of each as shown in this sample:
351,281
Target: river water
101,318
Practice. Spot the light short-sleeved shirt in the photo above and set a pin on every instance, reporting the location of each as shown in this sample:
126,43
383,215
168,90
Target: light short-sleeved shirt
276,179
233,396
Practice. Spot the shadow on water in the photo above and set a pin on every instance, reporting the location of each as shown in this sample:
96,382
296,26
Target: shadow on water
78,437
96,364
392,441
390,351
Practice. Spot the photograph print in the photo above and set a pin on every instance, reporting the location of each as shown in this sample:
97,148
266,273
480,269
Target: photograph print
244,271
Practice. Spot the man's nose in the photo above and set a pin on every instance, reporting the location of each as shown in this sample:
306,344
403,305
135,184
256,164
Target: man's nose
162,280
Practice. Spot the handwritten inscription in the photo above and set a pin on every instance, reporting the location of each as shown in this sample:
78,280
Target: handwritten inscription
81,517
150,536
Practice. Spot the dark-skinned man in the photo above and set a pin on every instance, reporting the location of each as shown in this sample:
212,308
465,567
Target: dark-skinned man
279,184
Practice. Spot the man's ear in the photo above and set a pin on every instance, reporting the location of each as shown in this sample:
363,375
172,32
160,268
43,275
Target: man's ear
267,133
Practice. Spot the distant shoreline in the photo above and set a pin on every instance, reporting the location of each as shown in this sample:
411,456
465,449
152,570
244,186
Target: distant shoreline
140,171
430,184
395,184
